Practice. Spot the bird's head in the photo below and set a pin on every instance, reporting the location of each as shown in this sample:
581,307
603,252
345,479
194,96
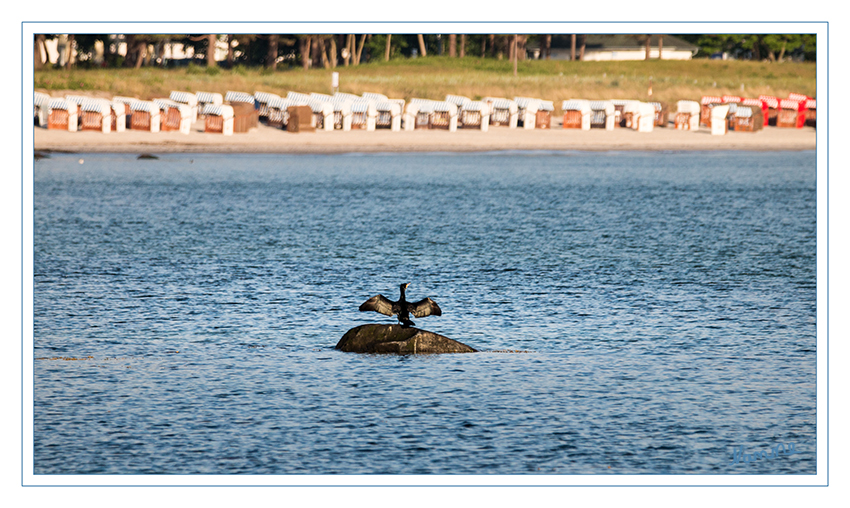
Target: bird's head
404,286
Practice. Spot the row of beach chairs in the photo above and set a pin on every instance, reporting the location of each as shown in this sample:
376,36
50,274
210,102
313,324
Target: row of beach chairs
240,112
796,111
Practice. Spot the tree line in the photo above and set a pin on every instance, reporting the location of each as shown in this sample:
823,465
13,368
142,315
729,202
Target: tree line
332,50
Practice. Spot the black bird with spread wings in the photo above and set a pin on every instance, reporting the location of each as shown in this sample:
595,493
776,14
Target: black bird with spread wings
402,308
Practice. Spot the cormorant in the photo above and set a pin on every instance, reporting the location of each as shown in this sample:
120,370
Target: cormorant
402,308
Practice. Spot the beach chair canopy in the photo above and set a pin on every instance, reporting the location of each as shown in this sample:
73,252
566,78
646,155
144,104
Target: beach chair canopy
577,105
691,107
457,100
502,103
97,106
375,96
302,98
40,99
239,97
221,110
363,106
184,97
771,101
393,108
744,112
606,106
61,104
479,106
265,97
791,104
752,102
209,97
145,106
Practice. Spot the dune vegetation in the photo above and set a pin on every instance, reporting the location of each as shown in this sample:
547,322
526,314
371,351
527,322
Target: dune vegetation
434,77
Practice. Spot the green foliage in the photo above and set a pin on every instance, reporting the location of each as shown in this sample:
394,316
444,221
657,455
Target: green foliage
375,47
756,46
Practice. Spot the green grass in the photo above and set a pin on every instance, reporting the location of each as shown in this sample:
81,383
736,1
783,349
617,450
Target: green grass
434,77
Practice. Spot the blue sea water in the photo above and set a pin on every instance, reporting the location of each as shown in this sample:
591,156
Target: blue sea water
186,311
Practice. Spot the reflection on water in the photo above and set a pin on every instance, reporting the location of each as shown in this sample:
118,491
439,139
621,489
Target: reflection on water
668,301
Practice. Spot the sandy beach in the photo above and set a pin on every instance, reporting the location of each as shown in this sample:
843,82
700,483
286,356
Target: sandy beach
271,140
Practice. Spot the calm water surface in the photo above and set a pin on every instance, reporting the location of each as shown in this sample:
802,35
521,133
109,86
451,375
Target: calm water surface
666,304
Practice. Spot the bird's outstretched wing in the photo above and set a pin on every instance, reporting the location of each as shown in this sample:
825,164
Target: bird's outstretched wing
425,307
379,304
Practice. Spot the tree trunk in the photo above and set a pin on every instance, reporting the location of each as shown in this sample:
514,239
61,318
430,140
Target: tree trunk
326,63
514,52
230,51
69,62
660,47
572,47
462,45
782,51
452,45
547,45
37,45
332,52
349,47
271,56
522,40
421,39
305,41
140,54
211,50
493,45
130,42
360,48
581,47
648,37
758,48
483,47
315,59
387,52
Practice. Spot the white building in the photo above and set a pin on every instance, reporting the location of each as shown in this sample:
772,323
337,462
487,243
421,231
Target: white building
621,47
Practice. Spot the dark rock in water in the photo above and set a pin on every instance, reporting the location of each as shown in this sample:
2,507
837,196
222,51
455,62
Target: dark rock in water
375,338
40,155
147,156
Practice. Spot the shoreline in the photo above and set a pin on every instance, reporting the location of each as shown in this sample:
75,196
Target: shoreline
270,140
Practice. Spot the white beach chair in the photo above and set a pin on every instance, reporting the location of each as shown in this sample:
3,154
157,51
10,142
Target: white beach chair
262,100
475,115
40,108
279,112
719,112
687,115
503,112
218,118
577,114
174,116
62,115
119,116
444,116
527,110
96,115
145,116
410,115
207,98
603,114
188,99
364,114
419,112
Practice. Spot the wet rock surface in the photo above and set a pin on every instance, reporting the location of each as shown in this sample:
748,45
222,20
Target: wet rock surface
377,338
